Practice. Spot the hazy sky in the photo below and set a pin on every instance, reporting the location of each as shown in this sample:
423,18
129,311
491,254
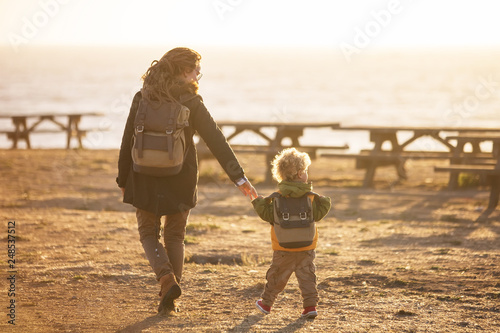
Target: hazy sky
333,23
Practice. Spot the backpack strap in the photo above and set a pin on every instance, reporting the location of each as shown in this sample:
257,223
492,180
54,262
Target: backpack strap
273,196
183,99
316,195
171,127
139,129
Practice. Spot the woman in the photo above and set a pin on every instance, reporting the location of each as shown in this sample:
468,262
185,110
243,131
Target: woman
174,78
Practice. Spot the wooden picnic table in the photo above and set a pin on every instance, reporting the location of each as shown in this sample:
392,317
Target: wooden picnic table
475,139
476,156
23,128
481,166
397,154
380,134
293,131
274,143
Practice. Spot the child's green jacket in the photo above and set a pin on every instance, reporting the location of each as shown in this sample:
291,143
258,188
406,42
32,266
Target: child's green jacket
265,209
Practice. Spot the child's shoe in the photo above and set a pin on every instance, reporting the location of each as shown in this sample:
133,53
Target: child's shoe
309,312
263,308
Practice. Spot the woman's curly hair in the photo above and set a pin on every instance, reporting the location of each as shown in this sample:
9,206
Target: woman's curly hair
287,164
162,77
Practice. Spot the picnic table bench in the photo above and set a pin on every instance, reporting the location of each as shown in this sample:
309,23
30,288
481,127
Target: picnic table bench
397,154
474,139
22,129
273,143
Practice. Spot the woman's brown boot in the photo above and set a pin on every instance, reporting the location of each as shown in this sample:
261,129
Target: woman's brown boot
170,290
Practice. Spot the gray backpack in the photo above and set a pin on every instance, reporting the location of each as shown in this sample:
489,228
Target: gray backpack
159,145
294,223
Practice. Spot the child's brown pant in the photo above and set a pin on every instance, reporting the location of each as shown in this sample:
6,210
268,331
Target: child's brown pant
168,259
283,265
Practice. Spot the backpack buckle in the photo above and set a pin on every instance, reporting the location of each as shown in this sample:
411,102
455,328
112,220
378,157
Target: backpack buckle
286,216
140,128
303,215
169,132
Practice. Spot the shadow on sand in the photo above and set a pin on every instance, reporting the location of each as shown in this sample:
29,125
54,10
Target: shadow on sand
144,324
247,324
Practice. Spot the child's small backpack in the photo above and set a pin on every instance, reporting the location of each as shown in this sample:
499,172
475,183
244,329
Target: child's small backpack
294,223
159,145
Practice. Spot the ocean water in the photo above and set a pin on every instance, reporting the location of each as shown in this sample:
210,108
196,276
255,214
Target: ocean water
438,88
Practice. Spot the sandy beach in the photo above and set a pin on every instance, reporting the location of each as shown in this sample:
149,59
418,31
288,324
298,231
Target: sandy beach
401,257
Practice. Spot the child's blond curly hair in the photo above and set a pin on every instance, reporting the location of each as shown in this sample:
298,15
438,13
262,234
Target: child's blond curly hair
288,163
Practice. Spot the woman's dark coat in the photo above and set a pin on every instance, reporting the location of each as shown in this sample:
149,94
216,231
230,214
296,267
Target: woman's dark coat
169,195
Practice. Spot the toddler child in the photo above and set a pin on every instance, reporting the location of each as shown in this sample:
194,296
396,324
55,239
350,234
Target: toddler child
289,168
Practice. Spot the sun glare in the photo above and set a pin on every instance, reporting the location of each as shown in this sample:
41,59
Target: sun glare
251,23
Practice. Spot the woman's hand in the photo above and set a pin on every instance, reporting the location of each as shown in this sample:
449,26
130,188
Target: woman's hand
248,190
